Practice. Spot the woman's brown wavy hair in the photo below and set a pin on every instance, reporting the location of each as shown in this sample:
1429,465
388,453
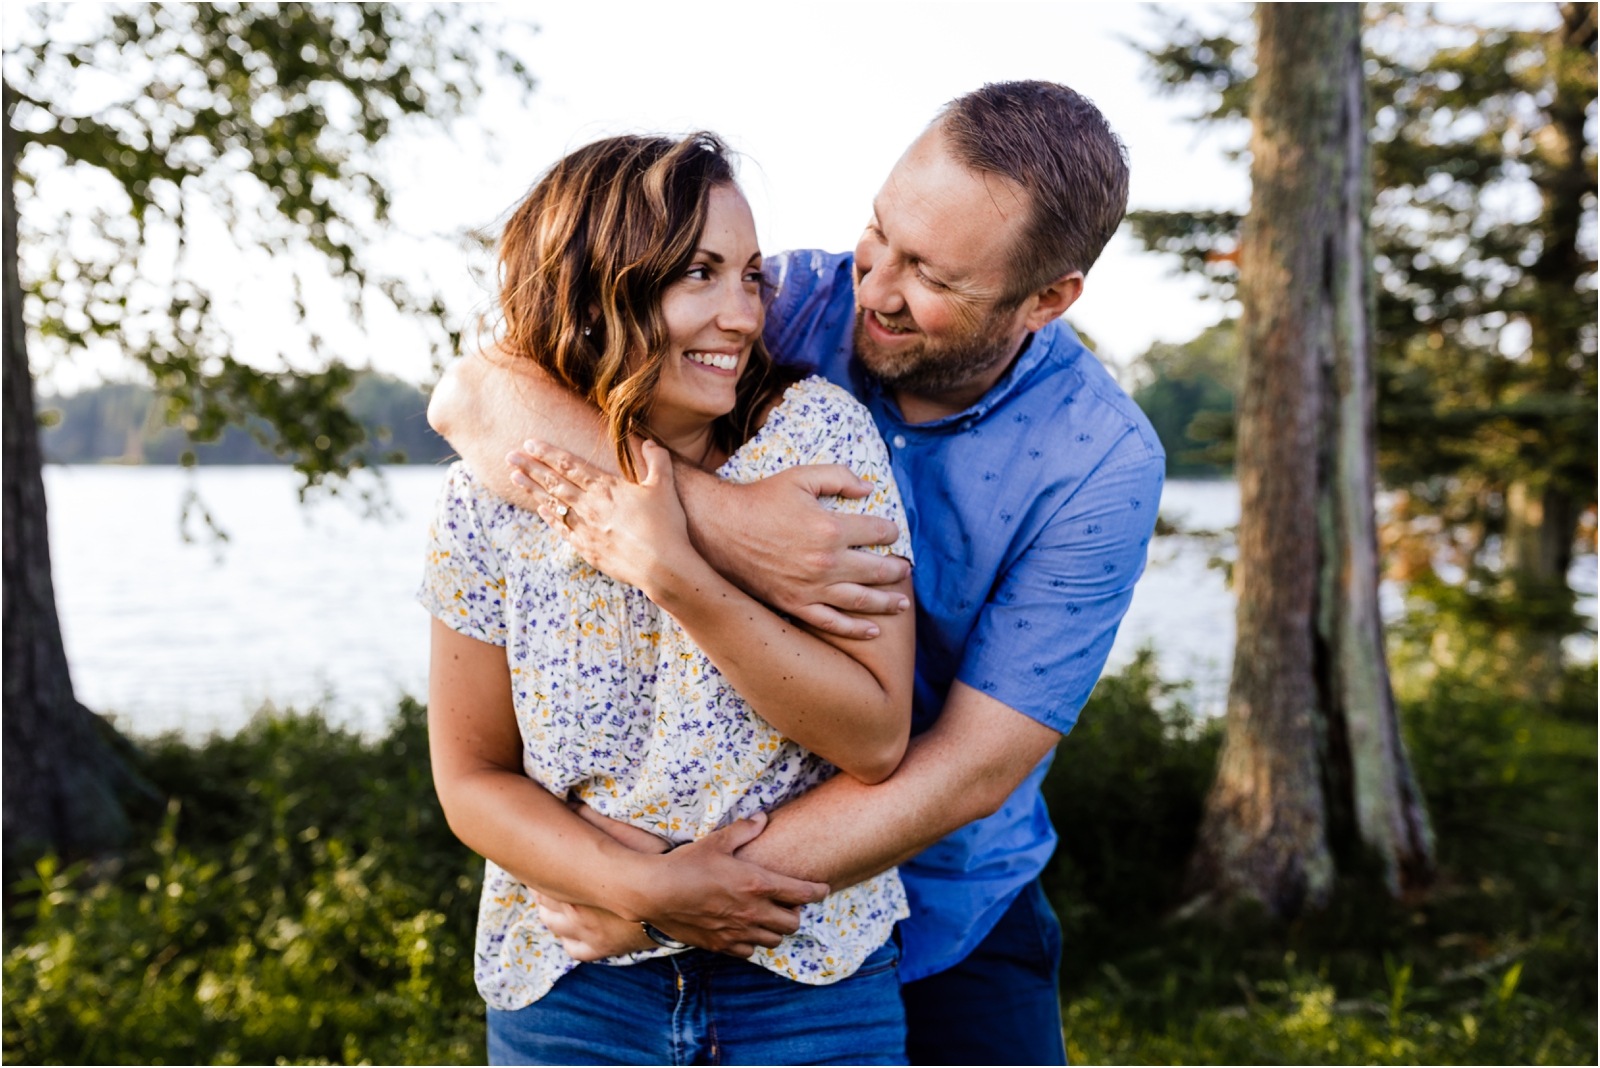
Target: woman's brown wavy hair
607,229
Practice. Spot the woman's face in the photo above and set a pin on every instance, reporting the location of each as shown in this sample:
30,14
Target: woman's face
713,314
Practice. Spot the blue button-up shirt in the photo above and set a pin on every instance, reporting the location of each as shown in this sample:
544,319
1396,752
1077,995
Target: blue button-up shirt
1031,513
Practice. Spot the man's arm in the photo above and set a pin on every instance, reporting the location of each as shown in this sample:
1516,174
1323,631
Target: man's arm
770,538
961,769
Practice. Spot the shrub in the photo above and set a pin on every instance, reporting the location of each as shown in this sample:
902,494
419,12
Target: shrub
303,901
1496,965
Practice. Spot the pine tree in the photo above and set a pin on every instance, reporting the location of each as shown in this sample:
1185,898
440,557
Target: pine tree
1312,750
1485,255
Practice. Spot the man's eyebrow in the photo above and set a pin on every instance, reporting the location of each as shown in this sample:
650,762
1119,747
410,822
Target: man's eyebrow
917,257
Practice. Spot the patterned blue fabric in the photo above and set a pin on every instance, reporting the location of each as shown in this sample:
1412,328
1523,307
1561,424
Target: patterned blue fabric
1031,513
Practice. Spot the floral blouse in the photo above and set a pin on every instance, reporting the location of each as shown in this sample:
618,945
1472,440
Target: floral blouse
618,707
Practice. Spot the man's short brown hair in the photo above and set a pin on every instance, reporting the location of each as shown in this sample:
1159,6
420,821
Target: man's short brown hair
1055,144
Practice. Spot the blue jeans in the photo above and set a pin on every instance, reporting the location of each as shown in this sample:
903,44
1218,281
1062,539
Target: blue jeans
1002,1004
704,1008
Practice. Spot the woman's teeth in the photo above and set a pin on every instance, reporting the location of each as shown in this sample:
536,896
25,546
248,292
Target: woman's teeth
714,359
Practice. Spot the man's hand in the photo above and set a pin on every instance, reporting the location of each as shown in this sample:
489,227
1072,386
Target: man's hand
701,894
774,540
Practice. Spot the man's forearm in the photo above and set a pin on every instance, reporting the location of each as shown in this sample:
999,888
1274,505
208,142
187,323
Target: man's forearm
959,771
487,405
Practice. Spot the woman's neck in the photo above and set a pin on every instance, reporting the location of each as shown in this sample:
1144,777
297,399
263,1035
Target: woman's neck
688,437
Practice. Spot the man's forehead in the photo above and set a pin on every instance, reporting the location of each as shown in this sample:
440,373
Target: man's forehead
938,206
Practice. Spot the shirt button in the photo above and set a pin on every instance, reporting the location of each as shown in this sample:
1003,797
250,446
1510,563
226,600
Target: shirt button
899,441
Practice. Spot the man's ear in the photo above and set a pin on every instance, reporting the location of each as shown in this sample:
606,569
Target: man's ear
1052,302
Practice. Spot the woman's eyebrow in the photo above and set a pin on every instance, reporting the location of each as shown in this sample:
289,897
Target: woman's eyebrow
714,257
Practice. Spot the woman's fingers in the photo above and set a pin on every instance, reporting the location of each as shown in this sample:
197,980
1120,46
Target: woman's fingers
657,465
563,463
531,474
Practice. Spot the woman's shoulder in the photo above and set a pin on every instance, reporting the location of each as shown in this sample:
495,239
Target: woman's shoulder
816,422
816,410
462,494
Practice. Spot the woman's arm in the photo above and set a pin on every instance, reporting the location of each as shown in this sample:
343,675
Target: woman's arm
698,893
847,700
770,537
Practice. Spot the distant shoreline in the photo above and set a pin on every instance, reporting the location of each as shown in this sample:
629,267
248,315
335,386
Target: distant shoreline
120,424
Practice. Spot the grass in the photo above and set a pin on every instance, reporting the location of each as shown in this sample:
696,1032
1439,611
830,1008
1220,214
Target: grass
1496,965
302,901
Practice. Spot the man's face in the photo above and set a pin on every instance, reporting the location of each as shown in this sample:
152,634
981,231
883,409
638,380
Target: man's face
932,274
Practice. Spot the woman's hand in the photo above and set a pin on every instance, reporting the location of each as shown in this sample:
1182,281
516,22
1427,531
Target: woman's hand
633,532
589,934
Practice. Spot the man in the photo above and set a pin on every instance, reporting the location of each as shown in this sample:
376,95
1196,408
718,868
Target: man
1032,483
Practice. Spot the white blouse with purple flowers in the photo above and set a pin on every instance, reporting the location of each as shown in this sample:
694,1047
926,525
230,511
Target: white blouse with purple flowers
618,707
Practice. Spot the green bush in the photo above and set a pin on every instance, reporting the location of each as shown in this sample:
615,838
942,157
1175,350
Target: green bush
1496,965
302,902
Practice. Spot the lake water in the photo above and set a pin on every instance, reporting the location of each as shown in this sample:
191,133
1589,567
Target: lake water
312,604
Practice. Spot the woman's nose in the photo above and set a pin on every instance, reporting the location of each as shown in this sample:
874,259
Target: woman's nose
741,311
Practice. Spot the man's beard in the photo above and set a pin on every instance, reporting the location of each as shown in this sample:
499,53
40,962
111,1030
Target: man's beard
932,370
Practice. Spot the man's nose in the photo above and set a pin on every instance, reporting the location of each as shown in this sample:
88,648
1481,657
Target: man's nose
879,289
880,292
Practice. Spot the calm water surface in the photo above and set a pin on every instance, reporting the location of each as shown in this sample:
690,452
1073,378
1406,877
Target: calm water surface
312,604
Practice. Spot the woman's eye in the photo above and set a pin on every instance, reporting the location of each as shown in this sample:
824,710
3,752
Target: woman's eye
700,272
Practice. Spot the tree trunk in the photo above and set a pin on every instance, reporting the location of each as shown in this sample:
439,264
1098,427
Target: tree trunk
1544,505
64,778
1541,527
1312,754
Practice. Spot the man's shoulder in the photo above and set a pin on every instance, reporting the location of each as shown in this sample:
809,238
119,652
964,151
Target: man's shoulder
1093,406
803,270
812,309
806,279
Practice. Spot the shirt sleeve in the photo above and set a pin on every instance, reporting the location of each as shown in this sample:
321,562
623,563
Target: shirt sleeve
463,583
1042,639
848,436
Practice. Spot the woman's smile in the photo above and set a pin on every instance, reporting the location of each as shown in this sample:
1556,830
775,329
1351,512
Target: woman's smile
717,361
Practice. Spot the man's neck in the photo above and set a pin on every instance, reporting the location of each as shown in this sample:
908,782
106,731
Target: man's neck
927,407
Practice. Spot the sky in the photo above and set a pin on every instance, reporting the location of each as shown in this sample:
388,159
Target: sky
819,98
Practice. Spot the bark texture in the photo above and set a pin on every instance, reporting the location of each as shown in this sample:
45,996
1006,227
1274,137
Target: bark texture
1313,754
65,779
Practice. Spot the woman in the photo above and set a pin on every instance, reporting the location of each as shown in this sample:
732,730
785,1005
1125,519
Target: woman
591,655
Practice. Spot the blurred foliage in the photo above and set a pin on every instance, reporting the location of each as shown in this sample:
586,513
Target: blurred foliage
1187,391
121,423
260,118
1497,966
303,900
1484,231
